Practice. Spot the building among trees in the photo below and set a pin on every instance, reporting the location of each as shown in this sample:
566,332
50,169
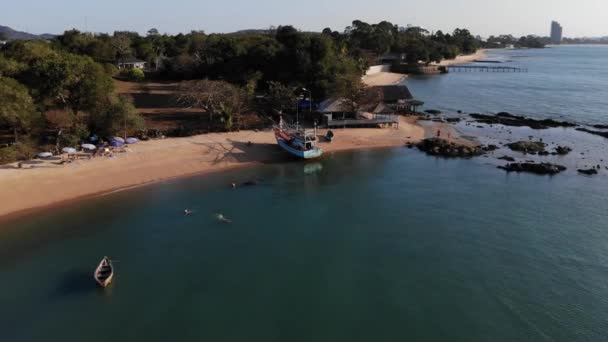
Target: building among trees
131,63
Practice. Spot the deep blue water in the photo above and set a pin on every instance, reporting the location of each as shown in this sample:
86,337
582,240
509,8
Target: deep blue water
564,82
371,246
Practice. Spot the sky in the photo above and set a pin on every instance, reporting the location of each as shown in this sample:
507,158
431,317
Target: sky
484,17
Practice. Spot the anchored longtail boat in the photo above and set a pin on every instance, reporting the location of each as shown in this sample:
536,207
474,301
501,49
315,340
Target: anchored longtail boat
298,142
104,272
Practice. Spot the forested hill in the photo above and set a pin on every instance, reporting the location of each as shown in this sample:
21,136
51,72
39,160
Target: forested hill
10,34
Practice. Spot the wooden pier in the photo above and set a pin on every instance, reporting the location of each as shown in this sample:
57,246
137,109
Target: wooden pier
380,120
484,68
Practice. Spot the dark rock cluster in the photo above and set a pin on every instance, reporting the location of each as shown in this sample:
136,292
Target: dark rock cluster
539,169
444,148
519,121
528,146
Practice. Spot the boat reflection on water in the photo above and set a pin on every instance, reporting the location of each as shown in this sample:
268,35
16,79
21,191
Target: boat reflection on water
311,168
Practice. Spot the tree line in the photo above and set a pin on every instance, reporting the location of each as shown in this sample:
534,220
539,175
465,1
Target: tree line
58,92
52,98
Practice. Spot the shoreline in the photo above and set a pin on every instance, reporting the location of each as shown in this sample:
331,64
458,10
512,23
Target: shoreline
45,185
465,59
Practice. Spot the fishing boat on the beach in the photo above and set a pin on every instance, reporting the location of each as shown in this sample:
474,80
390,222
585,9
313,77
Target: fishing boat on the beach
104,272
298,142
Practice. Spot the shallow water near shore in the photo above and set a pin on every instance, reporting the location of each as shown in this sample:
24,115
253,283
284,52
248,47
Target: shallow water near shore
379,245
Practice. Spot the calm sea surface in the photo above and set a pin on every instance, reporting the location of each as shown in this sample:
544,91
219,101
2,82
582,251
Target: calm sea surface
565,82
384,245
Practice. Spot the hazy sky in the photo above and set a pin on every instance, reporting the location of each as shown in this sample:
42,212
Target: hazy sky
484,17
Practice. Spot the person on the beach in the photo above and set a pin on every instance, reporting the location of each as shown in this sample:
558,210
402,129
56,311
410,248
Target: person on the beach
438,133
449,135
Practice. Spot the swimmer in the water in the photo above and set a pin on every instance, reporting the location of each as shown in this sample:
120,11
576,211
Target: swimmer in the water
222,218
187,212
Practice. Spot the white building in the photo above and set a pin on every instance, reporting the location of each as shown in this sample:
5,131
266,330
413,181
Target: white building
131,63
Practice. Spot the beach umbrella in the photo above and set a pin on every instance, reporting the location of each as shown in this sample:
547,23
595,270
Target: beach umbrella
68,150
131,140
45,155
115,143
88,146
119,139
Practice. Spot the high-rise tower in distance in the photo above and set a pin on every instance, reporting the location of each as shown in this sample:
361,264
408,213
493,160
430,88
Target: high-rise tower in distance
556,33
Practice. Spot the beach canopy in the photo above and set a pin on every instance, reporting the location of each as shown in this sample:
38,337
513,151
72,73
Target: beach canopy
88,146
68,150
131,140
115,143
45,155
119,139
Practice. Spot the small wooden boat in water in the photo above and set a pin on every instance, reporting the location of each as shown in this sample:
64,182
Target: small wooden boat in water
104,272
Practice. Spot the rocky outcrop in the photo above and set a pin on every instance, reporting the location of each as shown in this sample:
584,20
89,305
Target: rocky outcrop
600,126
528,146
562,150
519,121
539,169
444,148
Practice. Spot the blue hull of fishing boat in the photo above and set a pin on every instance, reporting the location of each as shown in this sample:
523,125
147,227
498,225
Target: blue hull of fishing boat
310,154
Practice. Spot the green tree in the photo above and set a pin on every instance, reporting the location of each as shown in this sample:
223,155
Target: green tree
348,88
117,116
16,106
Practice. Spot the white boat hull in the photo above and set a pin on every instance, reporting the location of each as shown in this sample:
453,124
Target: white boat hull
309,154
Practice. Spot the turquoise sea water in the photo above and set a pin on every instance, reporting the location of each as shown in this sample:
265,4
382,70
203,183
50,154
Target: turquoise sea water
564,83
382,245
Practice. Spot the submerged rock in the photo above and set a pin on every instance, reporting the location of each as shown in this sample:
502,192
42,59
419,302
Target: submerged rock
588,171
539,169
528,146
507,119
444,148
507,158
433,111
600,126
590,131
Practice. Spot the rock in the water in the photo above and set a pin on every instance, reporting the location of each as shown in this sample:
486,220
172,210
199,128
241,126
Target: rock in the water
489,148
452,120
527,146
563,150
588,171
507,158
507,119
539,169
600,126
600,133
433,111
444,148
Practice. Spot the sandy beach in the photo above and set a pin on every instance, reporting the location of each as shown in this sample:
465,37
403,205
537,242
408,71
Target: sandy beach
44,183
383,78
463,59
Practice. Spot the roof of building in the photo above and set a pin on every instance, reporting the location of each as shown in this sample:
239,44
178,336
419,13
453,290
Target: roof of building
333,105
130,60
